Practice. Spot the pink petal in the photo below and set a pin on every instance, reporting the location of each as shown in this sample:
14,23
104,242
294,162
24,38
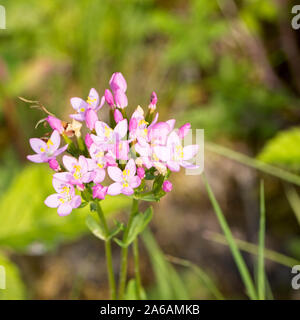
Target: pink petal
190,151
188,165
171,124
115,173
61,150
37,158
173,166
121,99
128,191
163,153
114,188
100,129
109,97
91,117
69,162
131,167
93,98
37,144
54,141
134,182
100,175
121,129
53,201
117,81
75,202
64,177
173,139
64,209
78,116
83,163
78,103
88,177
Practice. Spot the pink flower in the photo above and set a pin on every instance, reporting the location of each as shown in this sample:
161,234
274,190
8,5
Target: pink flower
184,130
109,98
111,139
117,81
91,118
99,162
53,164
46,150
167,186
118,116
82,106
174,155
88,140
65,199
125,181
99,191
141,172
78,171
55,124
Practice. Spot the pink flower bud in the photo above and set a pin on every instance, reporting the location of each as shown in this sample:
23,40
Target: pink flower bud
183,130
109,98
88,140
117,81
53,164
141,172
167,186
55,124
132,124
121,99
99,191
91,118
153,101
118,116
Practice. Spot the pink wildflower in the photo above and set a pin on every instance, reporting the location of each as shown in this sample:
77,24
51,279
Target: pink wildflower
167,186
99,191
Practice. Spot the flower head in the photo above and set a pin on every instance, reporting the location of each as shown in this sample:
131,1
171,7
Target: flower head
99,191
46,151
167,186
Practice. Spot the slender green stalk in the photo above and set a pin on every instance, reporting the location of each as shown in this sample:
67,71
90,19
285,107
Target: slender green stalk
261,246
254,163
124,251
138,285
241,265
253,249
109,264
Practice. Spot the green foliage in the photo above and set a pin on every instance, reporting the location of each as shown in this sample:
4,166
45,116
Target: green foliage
25,220
14,286
283,149
168,282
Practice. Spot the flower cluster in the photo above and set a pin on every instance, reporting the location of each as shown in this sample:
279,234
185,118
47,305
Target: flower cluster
131,152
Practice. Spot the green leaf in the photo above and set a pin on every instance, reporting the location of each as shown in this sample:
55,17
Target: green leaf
14,286
281,150
131,291
83,204
95,227
120,243
139,223
116,230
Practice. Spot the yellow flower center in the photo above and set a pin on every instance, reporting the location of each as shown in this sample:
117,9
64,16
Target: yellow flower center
90,100
49,143
107,131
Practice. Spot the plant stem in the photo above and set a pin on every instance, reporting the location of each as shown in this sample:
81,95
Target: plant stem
137,268
124,252
109,264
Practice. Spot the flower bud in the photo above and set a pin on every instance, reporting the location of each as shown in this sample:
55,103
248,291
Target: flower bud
117,81
167,186
90,118
121,99
109,98
141,172
53,164
183,130
99,191
55,124
153,102
88,140
118,116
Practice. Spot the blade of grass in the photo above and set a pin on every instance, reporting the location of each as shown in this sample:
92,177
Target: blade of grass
253,249
261,246
254,163
240,263
294,200
204,277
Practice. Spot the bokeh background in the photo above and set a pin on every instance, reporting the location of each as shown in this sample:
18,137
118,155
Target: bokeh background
230,67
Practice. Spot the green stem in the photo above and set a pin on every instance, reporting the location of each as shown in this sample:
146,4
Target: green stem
137,268
109,264
124,252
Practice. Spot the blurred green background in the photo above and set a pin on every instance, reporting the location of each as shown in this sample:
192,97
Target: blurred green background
229,66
